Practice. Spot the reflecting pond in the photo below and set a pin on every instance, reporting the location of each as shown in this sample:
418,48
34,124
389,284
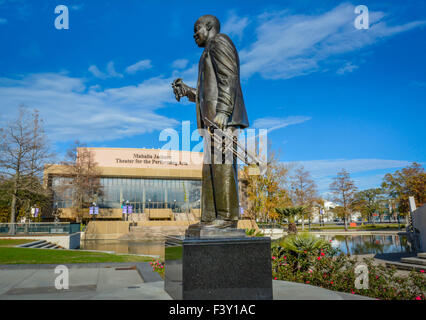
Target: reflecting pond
355,244
365,244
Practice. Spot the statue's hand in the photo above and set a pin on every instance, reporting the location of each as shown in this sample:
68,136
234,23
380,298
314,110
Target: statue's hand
180,89
221,119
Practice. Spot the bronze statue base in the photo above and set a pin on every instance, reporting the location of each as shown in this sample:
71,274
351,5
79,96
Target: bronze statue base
215,229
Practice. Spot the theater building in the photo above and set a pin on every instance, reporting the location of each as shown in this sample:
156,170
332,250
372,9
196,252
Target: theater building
156,184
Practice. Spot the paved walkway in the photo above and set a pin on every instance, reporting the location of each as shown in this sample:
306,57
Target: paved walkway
125,281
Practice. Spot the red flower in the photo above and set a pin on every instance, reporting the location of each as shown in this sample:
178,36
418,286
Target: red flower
322,253
422,271
418,298
275,278
331,282
307,281
319,258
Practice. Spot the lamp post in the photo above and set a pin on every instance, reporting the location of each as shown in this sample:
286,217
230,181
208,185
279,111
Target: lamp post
94,210
127,210
55,212
149,207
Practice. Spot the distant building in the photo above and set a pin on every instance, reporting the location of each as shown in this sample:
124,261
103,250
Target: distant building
148,180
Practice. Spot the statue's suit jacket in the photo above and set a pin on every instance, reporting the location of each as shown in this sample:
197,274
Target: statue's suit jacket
218,86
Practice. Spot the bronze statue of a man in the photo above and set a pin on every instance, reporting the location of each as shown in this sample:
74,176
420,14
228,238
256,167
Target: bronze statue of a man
218,98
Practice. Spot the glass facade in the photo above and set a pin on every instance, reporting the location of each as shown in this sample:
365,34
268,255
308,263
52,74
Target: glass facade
140,193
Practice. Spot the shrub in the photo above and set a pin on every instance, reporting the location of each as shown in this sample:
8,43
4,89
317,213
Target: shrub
303,260
297,244
158,266
253,233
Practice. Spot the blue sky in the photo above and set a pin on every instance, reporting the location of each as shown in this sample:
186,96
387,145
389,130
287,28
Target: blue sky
332,96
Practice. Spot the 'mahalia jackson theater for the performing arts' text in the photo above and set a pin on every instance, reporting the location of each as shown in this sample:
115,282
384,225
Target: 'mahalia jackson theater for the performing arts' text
157,186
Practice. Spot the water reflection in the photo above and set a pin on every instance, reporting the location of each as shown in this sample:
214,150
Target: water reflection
123,246
354,244
365,244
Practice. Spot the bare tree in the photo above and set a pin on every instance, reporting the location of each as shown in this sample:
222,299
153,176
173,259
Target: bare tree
84,186
343,189
24,154
303,191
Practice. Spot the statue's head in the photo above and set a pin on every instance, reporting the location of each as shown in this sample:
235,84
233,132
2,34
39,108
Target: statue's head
205,28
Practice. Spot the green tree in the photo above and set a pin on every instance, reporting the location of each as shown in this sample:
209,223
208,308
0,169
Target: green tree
369,202
288,214
410,181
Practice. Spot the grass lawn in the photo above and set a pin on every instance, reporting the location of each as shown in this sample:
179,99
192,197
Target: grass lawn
46,256
13,242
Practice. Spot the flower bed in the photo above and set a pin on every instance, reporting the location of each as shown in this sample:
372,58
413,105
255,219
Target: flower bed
321,265
158,266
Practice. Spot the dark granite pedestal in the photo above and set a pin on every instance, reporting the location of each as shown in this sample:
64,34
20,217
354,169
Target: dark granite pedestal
218,268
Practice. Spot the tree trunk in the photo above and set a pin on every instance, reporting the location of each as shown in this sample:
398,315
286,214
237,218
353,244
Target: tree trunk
347,246
292,228
12,215
346,223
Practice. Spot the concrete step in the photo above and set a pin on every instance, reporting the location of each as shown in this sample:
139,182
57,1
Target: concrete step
49,246
30,244
414,260
46,245
41,244
421,255
405,266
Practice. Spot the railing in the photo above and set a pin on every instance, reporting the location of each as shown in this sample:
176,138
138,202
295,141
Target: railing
34,228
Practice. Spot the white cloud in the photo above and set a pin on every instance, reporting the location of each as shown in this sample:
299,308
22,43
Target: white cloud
293,45
97,73
180,63
274,123
347,68
77,7
330,167
189,75
418,84
71,110
235,25
139,66
3,21
111,73
362,171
